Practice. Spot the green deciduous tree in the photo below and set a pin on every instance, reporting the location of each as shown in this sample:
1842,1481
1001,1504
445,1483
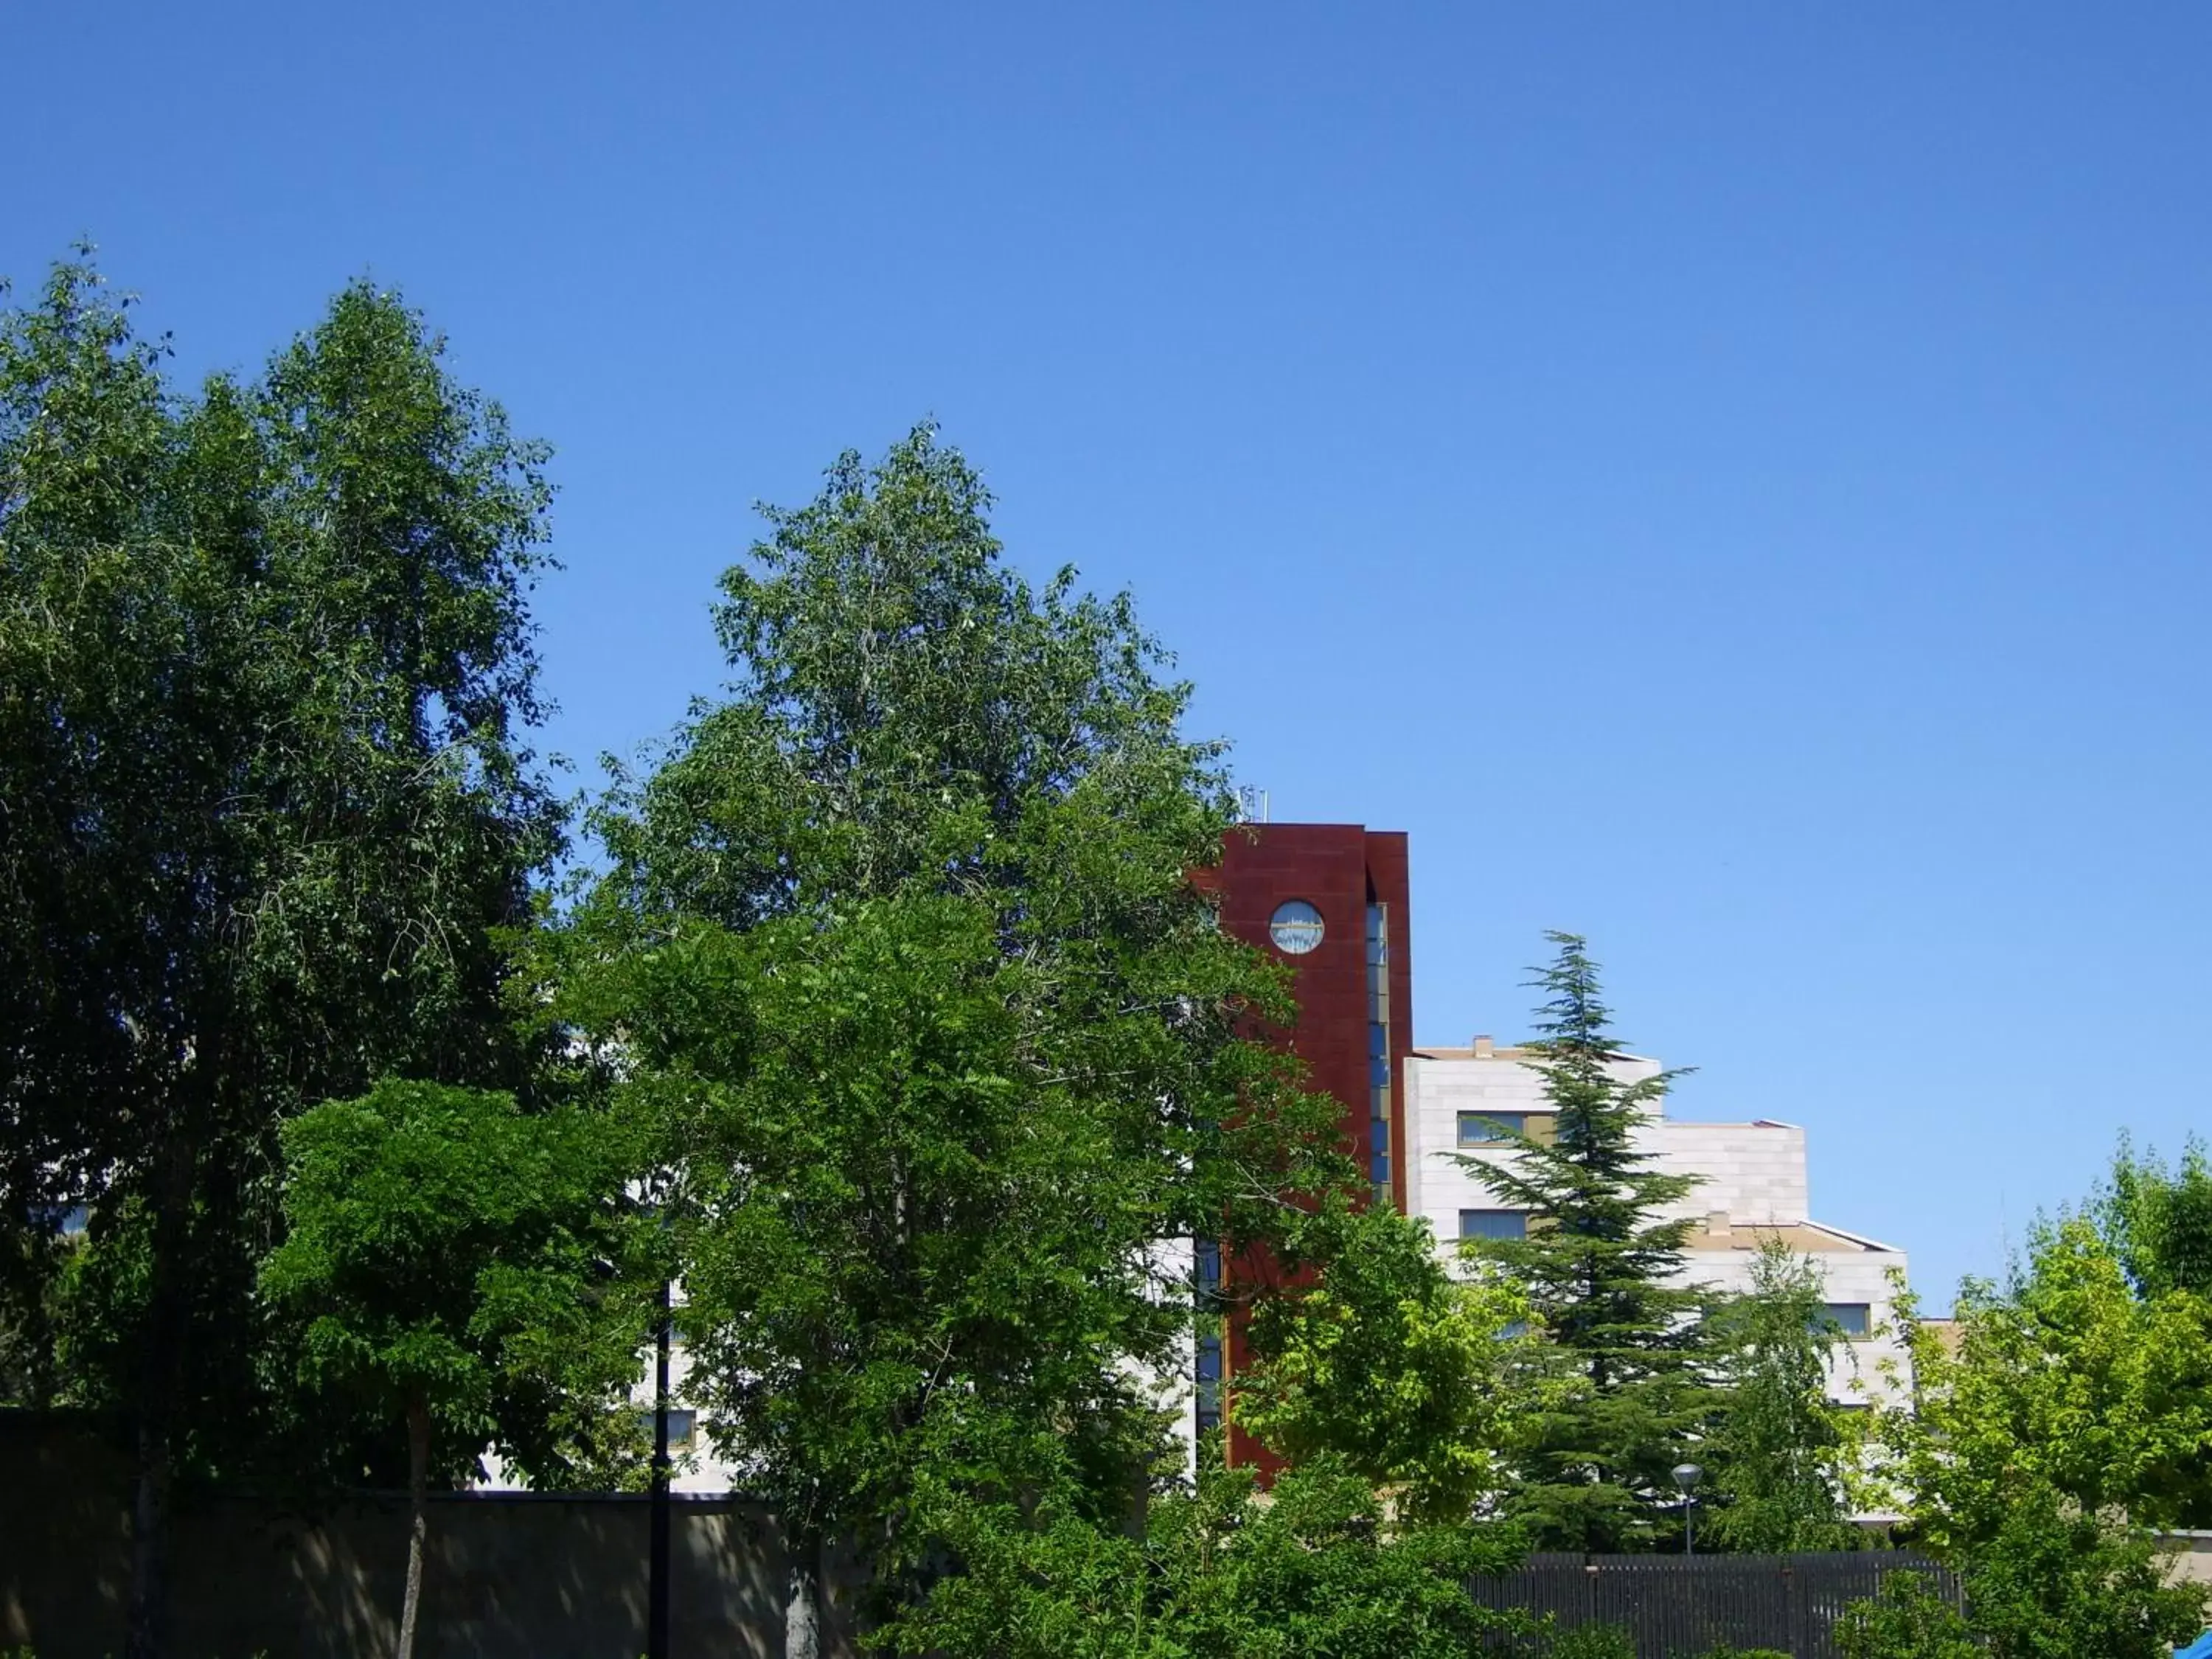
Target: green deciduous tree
899,945
2061,1420
1600,1269
265,673
450,1264
1385,1362
2061,1379
1781,1457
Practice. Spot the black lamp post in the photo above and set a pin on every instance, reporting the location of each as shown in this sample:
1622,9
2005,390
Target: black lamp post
656,1594
1686,1476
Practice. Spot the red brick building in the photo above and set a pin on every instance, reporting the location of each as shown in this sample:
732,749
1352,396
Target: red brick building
1331,900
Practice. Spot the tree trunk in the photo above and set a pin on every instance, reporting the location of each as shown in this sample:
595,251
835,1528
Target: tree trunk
802,1606
146,1621
145,1631
418,1518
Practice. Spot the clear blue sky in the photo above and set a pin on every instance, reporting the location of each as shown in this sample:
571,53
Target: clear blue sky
1731,480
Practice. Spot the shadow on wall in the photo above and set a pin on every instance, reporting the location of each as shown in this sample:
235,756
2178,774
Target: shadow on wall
510,1575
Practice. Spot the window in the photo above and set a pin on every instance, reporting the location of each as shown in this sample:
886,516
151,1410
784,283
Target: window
1208,1379
1486,1128
1206,1271
1295,928
682,1428
1209,1359
1493,1223
1378,1169
1851,1318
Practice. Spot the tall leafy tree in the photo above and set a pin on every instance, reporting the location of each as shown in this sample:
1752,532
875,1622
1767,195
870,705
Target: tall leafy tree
266,677
1601,1266
2059,1421
2061,1379
449,1262
1781,1457
900,942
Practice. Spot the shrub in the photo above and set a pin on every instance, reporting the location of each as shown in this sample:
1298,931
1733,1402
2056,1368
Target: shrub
1593,1642
1909,1619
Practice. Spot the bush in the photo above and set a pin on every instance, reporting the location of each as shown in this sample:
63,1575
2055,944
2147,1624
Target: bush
1909,1619
1593,1641
2055,1583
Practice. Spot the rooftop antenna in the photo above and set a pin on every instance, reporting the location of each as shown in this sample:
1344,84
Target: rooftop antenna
1251,804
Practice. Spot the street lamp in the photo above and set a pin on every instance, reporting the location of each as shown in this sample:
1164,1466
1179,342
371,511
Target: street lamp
1686,1476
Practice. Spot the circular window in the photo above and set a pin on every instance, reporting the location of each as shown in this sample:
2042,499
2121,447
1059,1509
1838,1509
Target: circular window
1295,928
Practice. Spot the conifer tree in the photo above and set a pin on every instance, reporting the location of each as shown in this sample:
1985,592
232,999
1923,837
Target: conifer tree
1602,1264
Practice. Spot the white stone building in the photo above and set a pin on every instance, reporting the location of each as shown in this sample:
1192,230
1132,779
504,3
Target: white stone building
1751,1186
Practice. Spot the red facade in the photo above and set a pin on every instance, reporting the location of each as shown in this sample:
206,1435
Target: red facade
1354,1028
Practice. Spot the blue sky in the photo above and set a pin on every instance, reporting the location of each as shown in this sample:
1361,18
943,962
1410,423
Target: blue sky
1730,480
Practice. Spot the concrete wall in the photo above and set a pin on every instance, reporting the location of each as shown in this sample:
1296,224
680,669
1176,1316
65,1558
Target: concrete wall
1439,1089
2189,1556
1864,1370
509,1576
1752,1171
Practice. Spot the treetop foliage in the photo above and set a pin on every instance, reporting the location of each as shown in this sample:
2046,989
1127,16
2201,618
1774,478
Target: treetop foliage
903,706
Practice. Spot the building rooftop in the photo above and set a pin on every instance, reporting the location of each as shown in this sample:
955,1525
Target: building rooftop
1483,1048
1717,1233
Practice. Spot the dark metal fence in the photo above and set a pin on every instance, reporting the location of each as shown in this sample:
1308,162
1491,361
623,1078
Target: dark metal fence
1682,1607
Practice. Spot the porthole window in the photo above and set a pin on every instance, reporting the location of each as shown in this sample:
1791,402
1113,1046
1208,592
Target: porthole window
1295,928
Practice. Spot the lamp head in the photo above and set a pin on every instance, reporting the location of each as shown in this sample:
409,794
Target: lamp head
1686,1476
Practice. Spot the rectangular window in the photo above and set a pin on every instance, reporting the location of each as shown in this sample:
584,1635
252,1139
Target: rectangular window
1483,1128
682,1428
1209,1359
1378,1134
1205,1273
1378,1169
1852,1318
1208,1402
1493,1223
